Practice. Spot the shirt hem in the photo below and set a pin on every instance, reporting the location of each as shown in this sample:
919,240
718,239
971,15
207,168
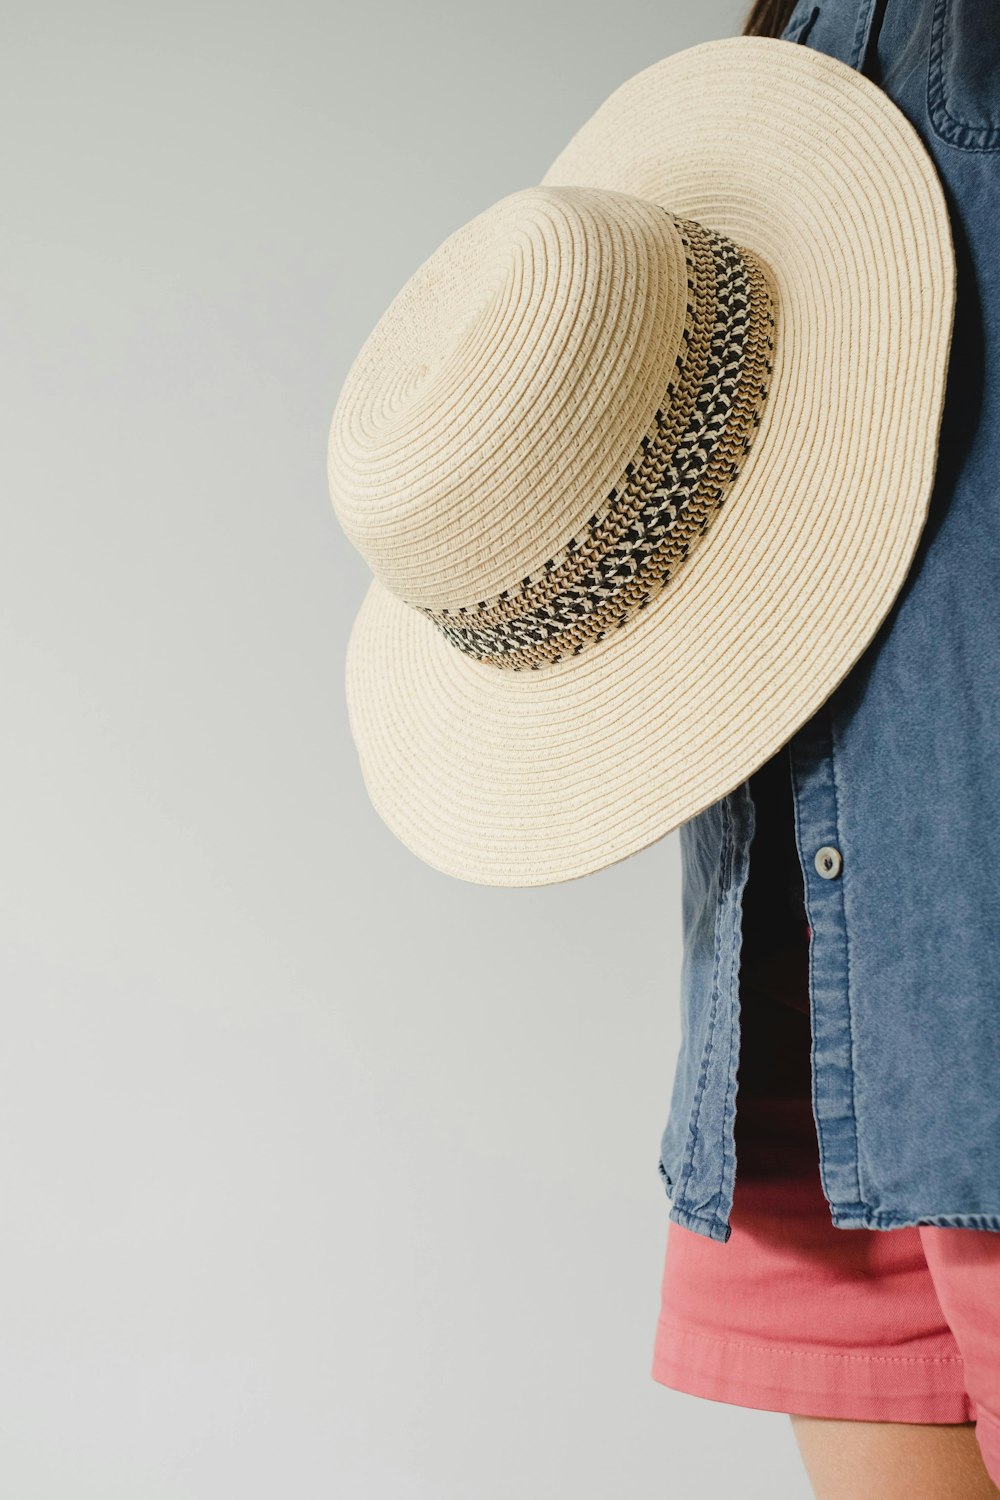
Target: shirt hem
852,1218
703,1224
843,1216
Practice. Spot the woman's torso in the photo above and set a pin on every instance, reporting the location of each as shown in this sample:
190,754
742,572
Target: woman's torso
885,808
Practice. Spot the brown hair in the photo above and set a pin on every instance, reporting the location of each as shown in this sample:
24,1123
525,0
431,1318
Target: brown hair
768,17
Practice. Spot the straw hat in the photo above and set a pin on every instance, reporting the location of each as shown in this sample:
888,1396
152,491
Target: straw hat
639,459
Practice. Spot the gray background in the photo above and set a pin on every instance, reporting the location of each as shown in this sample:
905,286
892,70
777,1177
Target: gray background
321,1173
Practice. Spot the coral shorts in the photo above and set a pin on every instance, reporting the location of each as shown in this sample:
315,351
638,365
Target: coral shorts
795,1315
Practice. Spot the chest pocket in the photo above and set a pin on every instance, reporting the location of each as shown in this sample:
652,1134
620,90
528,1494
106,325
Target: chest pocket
963,74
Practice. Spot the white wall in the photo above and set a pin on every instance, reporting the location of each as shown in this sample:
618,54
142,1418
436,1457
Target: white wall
321,1174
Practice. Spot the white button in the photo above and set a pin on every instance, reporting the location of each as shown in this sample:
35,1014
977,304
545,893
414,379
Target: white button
828,862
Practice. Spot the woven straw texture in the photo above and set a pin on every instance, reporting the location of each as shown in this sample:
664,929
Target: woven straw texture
515,373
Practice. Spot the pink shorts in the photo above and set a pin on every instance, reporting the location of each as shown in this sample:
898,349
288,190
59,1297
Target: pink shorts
792,1314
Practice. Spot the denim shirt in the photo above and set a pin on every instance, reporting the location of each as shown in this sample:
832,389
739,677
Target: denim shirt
895,781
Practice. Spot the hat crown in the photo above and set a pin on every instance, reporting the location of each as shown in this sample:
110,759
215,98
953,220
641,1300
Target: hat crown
500,394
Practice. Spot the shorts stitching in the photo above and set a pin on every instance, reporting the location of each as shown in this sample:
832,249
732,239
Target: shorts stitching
899,1359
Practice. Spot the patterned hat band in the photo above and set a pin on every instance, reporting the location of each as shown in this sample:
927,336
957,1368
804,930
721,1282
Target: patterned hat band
669,490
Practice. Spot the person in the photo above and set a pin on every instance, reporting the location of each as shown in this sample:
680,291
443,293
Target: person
676,474
855,1283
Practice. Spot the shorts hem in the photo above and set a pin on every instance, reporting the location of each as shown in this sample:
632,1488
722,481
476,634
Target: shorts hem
849,1384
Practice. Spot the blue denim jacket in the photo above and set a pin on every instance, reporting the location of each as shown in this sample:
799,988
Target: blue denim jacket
895,781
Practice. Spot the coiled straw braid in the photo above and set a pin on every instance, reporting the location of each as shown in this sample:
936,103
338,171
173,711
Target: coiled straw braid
670,488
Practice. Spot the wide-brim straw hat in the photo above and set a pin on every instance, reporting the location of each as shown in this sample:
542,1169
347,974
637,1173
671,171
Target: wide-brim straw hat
639,459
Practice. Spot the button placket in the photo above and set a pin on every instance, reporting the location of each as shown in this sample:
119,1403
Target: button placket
822,860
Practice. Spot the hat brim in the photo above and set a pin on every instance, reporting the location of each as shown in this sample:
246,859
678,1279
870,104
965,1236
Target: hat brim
528,778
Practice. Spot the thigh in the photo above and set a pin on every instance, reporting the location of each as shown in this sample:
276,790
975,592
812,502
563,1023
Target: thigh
892,1460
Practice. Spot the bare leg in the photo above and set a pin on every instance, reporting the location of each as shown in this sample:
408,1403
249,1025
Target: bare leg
892,1460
